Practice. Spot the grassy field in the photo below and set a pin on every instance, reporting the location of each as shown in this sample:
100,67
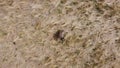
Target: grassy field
59,33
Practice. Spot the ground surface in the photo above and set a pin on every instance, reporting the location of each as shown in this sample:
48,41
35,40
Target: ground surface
91,34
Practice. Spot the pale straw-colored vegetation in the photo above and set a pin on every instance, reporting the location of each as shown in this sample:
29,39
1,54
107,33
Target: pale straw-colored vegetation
90,37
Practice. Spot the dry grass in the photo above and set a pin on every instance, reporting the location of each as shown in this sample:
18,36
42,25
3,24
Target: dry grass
91,33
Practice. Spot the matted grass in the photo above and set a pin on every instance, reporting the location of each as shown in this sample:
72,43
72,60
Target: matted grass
90,36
